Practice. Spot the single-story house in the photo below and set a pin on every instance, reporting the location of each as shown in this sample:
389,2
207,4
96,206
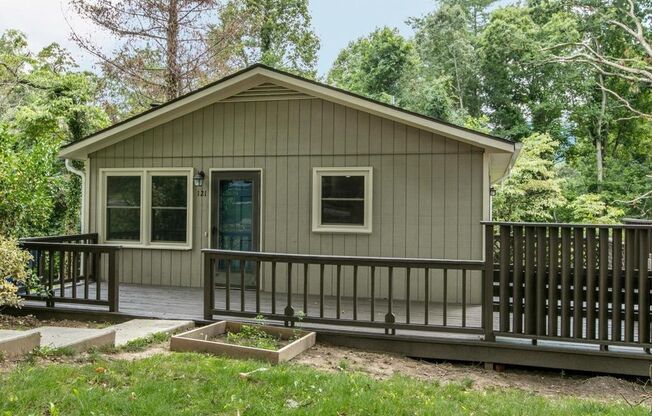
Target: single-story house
264,160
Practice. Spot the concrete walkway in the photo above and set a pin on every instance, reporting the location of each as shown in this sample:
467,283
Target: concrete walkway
143,328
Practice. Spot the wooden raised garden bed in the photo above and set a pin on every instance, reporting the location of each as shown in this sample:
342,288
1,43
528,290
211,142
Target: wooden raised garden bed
226,338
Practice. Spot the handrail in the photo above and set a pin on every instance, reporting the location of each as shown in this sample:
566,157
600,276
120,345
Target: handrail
350,260
569,225
63,238
74,269
76,247
317,284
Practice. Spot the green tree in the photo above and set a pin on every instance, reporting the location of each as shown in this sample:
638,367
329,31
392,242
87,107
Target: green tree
277,33
45,104
533,191
375,66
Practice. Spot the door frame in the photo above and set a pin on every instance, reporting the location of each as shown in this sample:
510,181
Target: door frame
258,210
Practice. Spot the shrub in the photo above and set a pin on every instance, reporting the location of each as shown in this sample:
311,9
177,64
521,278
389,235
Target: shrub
13,269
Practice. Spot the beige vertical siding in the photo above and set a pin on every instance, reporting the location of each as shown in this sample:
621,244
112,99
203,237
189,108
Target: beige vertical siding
427,196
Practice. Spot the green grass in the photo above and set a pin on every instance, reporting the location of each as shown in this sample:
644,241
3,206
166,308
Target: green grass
193,384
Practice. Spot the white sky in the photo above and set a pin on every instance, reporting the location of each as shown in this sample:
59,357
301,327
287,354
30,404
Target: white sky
44,22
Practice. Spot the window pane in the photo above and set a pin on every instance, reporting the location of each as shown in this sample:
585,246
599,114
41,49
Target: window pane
342,212
169,225
342,186
123,191
169,191
123,224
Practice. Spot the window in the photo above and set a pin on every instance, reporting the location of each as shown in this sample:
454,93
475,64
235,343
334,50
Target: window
148,207
123,208
169,208
342,200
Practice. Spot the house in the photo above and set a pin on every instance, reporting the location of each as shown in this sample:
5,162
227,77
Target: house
269,194
264,160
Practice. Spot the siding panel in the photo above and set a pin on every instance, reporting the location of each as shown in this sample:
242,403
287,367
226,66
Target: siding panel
427,193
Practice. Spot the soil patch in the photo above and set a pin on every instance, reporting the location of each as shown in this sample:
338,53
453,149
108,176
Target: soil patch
546,383
30,322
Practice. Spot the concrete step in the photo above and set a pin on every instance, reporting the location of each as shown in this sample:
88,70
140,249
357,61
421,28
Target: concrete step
17,343
142,328
76,339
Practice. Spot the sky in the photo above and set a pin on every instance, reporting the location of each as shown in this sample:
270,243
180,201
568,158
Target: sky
47,21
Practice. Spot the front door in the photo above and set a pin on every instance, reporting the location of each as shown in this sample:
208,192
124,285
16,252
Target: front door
235,217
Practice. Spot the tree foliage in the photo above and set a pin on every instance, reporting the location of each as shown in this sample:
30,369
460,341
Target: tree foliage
45,103
277,33
376,65
533,191
574,71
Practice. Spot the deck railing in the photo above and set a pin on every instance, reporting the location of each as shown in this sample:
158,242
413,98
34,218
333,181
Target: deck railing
572,282
74,269
310,288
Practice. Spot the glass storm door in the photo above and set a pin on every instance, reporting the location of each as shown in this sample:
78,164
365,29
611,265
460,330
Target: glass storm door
235,217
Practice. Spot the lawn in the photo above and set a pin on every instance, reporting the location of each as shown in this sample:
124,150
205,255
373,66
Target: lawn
193,384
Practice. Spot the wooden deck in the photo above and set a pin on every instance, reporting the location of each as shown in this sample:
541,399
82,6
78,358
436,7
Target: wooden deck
187,303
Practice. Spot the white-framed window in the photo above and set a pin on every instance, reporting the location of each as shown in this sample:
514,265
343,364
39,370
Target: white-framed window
149,207
342,199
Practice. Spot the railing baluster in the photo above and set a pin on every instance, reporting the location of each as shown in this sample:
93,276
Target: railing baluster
530,283
74,273
273,287
209,287
289,310
305,288
113,282
578,284
590,283
643,289
503,289
603,290
62,275
87,259
629,284
426,296
97,262
355,292
444,306
243,264
258,286
50,276
616,291
407,295
518,281
463,297
553,281
389,317
565,282
338,309
372,310
321,290
227,298
541,282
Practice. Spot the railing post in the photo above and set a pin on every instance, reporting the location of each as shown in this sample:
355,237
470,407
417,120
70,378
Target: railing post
209,287
114,282
487,287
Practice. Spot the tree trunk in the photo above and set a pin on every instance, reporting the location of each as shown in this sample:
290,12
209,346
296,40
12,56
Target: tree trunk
172,71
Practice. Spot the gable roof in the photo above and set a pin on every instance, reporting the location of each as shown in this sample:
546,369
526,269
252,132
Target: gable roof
257,75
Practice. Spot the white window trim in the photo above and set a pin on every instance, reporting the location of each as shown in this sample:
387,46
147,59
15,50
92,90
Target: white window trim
317,174
145,206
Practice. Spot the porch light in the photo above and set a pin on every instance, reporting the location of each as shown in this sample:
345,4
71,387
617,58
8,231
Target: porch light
198,179
492,191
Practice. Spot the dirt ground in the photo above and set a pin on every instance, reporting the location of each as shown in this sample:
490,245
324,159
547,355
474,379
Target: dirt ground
29,322
546,383
384,365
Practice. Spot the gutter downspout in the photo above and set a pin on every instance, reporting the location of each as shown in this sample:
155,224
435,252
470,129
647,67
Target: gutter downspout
82,175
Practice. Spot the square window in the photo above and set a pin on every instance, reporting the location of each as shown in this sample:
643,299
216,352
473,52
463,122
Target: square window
342,200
